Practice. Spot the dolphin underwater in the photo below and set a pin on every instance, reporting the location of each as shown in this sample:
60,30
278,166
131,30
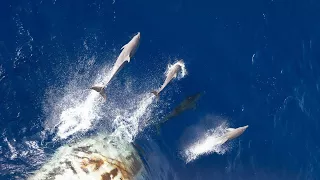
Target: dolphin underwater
173,72
232,133
128,51
187,103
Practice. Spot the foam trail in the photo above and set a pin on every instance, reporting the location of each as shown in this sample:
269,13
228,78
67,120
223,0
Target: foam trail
210,142
128,125
78,111
78,118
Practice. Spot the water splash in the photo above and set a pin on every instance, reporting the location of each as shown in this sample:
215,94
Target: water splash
208,143
78,108
183,71
129,124
124,115
127,118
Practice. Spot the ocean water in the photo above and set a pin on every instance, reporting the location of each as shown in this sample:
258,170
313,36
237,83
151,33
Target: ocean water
257,63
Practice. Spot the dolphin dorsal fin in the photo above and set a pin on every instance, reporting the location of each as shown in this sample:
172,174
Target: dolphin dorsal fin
230,129
123,46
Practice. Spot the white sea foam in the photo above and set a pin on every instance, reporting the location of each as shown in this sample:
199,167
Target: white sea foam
77,109
125,113
11,148
206,143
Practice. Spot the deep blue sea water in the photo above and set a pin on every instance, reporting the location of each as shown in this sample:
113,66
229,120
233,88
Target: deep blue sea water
257,61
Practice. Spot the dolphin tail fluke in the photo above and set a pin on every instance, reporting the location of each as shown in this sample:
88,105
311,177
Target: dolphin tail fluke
156,93
104,95
97,88
100,90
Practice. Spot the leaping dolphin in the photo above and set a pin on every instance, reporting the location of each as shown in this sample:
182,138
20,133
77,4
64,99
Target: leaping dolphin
232,133
128,51
173,72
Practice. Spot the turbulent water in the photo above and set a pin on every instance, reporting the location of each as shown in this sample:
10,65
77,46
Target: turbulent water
207,143
258,64
73,110
204,138
78,111
73,114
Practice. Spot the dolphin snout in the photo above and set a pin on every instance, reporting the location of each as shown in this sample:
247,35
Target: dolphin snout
138,35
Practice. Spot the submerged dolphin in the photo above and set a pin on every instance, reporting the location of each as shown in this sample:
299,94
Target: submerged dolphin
232,133
188,103
173,72
126,54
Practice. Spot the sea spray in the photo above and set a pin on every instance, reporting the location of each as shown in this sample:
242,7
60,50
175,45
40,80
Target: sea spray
209,143
204,138
129,124
77,111
183,71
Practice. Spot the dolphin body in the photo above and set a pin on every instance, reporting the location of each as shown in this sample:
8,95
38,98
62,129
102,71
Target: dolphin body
232,133
173,72
128,51
188,103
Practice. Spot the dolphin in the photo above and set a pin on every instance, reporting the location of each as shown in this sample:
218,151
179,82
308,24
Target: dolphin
232,133
128,51
187,103
173,72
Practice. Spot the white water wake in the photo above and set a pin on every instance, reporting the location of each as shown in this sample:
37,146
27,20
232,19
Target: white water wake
128,125
80,108
208,143
77,110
